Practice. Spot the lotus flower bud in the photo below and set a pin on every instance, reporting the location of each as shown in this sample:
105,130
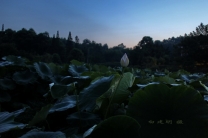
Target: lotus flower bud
124,61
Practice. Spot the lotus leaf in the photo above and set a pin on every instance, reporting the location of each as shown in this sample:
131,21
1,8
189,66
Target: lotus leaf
76,71
24,77
84,119
7,121
88,96
58,91
7,84
40,134
40,115
120,126
43,70
178,111
64,104
14,60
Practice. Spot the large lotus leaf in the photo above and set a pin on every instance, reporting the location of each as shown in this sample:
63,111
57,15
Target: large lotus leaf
76,71
24,77
64,80
100,68
40,115
58,91
179,111
7,121
120,126
64,104
83,118
165,79
7,84
55,69
77,63
87,97
177,75
119,90
43,70
40,134
14,60
4,96
92,74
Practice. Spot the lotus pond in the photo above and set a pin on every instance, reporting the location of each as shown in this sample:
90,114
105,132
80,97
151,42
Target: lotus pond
93,101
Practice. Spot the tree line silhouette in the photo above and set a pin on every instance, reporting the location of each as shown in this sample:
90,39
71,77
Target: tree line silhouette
185,52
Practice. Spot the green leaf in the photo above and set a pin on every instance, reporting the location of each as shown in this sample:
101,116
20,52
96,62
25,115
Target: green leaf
159,103
117,93
7,84
43,70
24,77
76,71
87,97
7,121
165,79
40,134
58,91
14,60
83,119
77,63
41,115
55,69
120,126
64,104
120,88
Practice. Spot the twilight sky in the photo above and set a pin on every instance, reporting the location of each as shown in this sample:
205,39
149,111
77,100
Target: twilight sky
106,21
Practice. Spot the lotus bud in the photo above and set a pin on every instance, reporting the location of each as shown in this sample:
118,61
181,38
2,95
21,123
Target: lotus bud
124,61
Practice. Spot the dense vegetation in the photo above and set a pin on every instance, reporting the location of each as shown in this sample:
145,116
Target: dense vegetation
187,52
89,101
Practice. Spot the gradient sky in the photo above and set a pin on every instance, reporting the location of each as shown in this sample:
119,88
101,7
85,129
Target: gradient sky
106,21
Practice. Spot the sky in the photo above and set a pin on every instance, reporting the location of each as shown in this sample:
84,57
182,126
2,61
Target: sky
106,21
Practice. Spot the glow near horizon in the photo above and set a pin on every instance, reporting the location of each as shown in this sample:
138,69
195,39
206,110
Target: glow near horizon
110,21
